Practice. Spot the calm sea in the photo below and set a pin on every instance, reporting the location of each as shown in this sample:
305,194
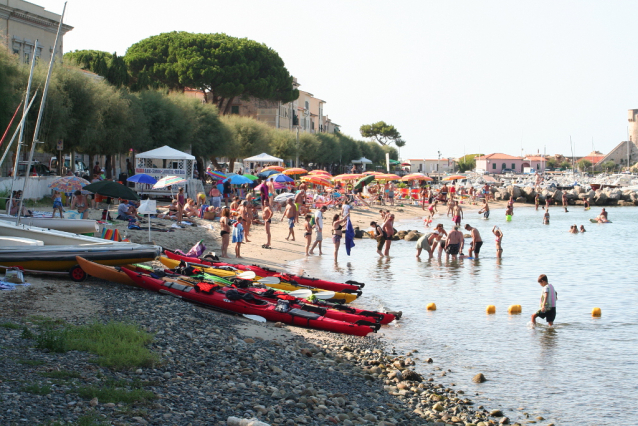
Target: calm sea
581,371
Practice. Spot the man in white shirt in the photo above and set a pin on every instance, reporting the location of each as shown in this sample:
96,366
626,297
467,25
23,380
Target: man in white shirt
345,209
318,229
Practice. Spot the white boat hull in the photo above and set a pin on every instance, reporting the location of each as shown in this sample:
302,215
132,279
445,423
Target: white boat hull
75,226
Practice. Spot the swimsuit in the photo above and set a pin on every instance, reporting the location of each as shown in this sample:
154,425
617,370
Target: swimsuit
486,215
456,219
269,221
477,247
57,203
453,249
222,233
291,222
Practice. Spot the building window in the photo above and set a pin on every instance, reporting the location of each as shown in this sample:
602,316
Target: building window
493,166
307,105
513,166
234,109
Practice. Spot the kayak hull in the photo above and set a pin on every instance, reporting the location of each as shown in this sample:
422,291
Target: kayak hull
218,300
104,272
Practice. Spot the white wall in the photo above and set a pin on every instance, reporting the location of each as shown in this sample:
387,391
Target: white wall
37,187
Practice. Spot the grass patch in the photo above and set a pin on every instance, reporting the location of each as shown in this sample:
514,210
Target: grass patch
115,394
37,389
10,325
32,362
117,345
45,321
91,419
62,374
27,334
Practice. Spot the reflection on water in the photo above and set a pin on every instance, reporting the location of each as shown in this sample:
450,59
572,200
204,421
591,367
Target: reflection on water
558,372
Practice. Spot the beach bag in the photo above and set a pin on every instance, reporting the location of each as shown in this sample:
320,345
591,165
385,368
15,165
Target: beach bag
106,215
14,275
196,250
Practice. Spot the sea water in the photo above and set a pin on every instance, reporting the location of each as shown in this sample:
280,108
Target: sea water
583,370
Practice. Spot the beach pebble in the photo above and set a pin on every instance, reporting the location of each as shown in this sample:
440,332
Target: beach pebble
479,378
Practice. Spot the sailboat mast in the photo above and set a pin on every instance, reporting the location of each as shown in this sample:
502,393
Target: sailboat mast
27,106
38,123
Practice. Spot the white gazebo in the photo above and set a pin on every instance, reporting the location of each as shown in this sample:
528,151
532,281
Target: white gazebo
162,162
260,159
363,161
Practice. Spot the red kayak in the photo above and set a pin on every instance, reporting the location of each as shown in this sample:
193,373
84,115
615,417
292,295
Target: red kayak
232,300
347,287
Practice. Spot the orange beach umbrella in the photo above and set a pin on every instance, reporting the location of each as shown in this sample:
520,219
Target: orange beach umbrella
347,176
317,180
295,171
455,177
276,168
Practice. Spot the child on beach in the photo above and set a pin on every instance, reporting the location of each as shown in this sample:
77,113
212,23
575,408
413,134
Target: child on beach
238,236
308,234
57,204
548,302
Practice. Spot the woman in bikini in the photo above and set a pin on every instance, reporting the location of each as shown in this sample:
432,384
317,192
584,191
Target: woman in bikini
499,241
337,232
190,209
224,222
80,204
308,234
181,203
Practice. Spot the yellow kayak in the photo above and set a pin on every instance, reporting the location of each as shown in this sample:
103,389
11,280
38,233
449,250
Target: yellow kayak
223,273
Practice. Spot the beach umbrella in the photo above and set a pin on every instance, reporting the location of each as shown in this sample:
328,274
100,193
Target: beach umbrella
317,180
168,181
416,176
454,177
267,173
283,197
387,176
319,172
349,236
216,175
281,178
239,180
275,168
251,177
108,188
295,171
363,181
142,178
69,184
347,176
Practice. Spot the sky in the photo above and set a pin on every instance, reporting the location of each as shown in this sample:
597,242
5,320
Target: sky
455,77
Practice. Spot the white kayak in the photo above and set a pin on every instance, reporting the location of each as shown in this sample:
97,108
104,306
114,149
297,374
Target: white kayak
75,226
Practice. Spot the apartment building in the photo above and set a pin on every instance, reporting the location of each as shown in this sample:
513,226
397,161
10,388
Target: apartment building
22,23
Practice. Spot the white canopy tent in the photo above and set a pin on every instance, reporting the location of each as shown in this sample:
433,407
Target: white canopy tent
363,161
252,162
162,162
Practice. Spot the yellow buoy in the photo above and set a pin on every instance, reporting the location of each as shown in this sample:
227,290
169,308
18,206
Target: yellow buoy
596,312
431,307
508,218
491,309
514,309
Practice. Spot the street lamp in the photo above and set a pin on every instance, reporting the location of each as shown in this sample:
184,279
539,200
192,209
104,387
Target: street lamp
438,163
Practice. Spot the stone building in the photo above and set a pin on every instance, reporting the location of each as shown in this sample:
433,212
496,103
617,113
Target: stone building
22,23
626,152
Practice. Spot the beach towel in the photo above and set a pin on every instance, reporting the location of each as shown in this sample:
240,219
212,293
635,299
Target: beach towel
238,233
349,236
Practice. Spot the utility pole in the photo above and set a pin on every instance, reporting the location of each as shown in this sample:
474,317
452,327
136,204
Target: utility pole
297,150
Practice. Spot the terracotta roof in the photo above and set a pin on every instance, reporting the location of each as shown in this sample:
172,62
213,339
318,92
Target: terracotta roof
535,158
594,159
498,156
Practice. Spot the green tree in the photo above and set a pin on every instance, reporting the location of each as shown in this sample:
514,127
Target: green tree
583,165
566,165
117,73
283,144
607,165
248,137
329,151
308,148
383,133
11,88
551,163
467,162
221,66
95,61
166,122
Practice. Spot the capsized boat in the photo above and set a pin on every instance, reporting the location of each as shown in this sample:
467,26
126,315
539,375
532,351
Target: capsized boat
45,250
76,226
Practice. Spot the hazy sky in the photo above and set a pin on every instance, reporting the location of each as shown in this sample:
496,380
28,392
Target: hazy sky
452,76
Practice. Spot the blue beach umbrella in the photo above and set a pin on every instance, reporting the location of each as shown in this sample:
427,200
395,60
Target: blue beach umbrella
239,180
142,178
281,178
267,173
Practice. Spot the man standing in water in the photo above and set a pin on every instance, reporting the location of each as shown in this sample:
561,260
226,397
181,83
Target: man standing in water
453,243
457,213
548,302
485,210
477,242
388,227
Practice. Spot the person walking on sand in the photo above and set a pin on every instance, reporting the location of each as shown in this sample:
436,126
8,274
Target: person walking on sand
453,243
477,242
318,229
388,228
391,194
485,209
267,215
308,233
244,213
238,236
290,213
337,232
547,309
498,238
379,234
224,233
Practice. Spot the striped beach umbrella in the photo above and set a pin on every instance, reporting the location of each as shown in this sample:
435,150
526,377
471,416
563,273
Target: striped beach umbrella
275,168
347,176
295,171
319,172
168,181
69,184
387,176
416,176
317,180
216,175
